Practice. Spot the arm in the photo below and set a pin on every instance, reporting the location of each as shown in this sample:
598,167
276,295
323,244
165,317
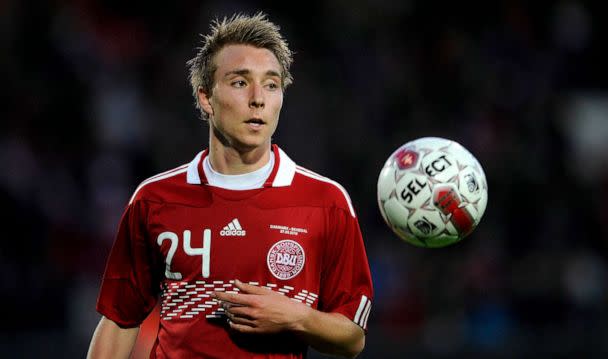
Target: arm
260,310
111,341
331,333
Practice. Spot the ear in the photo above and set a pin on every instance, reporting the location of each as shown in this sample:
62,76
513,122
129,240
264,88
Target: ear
204,101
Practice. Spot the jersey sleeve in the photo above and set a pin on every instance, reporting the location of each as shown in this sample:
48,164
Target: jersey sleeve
346,280
130,284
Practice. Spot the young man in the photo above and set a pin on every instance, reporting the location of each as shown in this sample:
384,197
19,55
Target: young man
252,255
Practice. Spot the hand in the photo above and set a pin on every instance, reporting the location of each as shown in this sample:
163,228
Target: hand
260,310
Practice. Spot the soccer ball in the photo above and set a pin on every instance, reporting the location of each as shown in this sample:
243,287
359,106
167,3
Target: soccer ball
432,192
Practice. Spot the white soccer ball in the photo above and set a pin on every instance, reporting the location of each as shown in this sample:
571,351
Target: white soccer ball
432,192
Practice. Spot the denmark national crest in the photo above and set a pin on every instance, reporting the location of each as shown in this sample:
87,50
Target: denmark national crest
285,259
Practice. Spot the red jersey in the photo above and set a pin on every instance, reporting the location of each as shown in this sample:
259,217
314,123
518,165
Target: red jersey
181,239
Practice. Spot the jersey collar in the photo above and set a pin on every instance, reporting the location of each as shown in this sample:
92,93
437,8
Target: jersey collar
281,176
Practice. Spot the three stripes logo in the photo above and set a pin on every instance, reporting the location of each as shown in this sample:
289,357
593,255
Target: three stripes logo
233,229
362,314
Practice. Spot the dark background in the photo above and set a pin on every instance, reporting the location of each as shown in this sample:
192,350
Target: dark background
95,99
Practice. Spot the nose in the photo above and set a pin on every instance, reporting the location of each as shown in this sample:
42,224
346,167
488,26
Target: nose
256,99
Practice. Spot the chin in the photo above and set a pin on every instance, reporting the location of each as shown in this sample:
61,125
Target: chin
254,140
249,145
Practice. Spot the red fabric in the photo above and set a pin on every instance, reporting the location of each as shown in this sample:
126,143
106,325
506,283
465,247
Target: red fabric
306,230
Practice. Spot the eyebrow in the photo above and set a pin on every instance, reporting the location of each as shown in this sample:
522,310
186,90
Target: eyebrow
243,72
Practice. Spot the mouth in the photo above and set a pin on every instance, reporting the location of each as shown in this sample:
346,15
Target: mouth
255,122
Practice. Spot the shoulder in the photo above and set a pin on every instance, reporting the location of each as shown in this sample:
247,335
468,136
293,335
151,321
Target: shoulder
324,189
153,187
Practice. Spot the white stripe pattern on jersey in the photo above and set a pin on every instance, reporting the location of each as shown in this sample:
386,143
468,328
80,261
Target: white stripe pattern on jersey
362,313
311,174
158,177
184,300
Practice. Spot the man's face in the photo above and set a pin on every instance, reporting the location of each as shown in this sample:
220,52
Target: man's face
246,97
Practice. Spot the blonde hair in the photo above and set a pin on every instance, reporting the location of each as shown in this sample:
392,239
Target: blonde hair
254,30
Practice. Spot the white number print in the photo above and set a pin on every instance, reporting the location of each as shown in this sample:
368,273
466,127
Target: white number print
204,251
174,239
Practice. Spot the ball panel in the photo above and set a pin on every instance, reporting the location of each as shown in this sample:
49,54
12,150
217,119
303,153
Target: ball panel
463,219
450,229
386,182
396,213
413,190
446,198
430,143
470,186
425,224
406,158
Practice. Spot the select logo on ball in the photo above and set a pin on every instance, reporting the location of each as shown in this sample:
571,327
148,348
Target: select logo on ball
406,158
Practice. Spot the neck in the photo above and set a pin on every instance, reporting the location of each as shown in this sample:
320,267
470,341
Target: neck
231,161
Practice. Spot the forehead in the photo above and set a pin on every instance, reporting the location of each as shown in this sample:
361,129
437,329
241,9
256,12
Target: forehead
233,57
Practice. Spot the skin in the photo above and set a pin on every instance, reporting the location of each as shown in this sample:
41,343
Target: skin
258,310
247,86
112,341
244,106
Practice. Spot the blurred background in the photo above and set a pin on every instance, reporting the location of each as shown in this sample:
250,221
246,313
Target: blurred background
95,99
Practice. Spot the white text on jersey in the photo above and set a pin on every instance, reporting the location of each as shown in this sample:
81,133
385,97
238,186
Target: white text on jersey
233,228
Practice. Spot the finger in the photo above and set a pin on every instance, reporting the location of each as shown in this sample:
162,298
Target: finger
242,328
248,288
227,305
240,320
223,296
244,312
239,299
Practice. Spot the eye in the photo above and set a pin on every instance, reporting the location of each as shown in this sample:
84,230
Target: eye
272,85
238,83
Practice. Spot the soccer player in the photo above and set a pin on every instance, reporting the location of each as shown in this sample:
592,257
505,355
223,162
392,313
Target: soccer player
249,254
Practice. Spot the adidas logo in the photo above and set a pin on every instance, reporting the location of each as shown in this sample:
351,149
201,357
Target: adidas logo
233,229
